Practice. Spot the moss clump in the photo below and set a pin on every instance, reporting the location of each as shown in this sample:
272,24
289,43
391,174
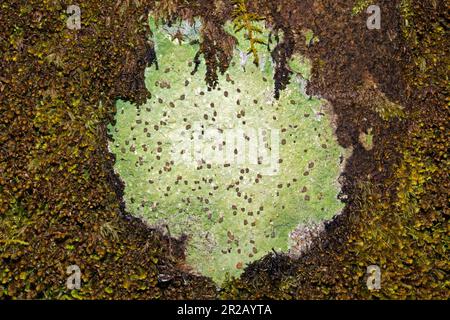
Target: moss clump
388,110
360,6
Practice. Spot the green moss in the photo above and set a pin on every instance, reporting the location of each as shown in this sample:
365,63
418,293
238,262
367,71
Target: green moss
300,65
360,6
13,223
232,214
387,109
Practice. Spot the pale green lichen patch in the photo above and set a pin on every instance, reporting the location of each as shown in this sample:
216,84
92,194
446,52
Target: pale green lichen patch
235,204
300,65
366,139
310,37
